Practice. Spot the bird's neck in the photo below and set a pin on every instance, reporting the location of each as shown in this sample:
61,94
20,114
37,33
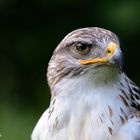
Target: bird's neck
88,82
87,98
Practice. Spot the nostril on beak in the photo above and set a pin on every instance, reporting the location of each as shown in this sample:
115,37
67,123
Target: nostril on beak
110,51
111,47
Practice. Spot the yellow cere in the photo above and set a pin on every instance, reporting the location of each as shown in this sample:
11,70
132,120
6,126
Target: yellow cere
111,48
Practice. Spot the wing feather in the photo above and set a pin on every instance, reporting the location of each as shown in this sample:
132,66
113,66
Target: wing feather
131,90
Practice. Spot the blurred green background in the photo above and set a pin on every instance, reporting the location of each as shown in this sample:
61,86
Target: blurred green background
29,32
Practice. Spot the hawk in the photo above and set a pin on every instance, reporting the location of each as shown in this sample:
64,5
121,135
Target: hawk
91,97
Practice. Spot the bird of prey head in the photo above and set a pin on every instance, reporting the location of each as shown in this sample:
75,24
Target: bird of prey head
83,50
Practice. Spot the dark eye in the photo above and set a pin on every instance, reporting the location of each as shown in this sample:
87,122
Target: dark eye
83,48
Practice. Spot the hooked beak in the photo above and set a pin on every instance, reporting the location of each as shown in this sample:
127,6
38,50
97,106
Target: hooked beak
113,56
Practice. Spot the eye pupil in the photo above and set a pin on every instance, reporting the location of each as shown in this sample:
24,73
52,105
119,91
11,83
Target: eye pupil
83,48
